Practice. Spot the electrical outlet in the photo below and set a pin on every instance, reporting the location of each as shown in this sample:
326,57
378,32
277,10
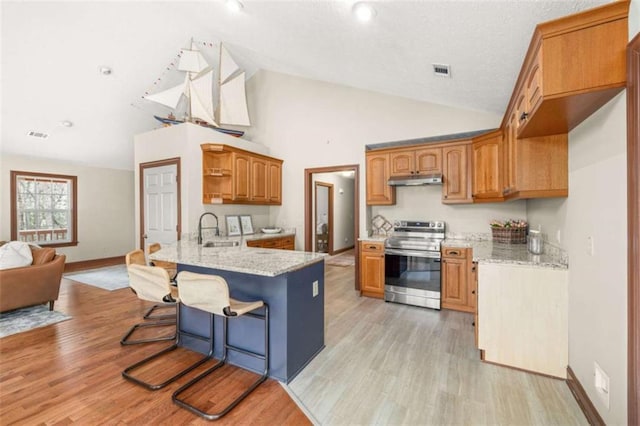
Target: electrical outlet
601,383
315,288
590,244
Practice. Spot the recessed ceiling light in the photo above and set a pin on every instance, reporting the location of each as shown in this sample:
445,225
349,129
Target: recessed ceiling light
234,5
364,12
66,123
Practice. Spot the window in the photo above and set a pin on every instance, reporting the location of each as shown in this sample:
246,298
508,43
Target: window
44,209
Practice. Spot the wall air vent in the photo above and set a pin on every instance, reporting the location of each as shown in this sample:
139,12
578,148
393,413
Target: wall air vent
40,135
442,70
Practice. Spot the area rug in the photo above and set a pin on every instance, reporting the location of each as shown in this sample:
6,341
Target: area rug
109,278
28,318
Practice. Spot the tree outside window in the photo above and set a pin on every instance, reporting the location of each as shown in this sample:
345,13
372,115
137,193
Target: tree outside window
44,208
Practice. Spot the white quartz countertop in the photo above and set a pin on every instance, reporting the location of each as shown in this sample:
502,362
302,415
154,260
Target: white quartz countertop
514,254
374,238
249,260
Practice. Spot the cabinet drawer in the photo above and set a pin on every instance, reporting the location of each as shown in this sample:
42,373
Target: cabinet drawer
287,243
453,252
373,247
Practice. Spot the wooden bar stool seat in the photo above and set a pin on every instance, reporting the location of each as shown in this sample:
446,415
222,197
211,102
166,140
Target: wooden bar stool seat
152,283
210,293
136,257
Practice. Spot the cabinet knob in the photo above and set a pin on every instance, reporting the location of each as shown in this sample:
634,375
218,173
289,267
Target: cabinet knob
412,171
523,116
473,292
445,196
455,253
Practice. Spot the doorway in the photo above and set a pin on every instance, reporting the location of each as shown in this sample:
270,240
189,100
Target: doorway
323,218
354,221
160,219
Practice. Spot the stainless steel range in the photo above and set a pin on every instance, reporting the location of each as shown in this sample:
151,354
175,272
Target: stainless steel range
412,263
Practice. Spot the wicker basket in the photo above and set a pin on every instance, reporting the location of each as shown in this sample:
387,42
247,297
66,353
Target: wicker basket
509,235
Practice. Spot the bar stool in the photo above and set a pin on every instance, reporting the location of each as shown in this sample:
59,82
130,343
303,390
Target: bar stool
152,283
210,293
172,269
136,257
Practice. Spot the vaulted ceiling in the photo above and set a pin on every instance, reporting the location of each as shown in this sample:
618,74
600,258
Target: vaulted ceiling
52,52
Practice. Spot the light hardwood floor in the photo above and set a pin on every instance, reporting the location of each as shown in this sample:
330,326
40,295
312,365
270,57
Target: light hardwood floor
386,363
69,372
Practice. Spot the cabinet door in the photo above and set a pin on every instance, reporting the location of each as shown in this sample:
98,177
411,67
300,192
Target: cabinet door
378,192
455,175
533,85
372,269
274,185
509,153
402,163
454,283
259,180
486,182
241,171
428,161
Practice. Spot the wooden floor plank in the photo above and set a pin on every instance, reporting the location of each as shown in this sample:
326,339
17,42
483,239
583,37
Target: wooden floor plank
386,363
70,372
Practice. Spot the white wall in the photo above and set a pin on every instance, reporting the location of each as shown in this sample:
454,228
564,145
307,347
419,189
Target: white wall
315,124
105,206
596,207
343,208
425,203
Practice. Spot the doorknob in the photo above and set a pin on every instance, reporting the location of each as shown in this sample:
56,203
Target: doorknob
144,236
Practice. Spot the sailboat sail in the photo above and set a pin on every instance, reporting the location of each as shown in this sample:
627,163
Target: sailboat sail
233,104
200,90
169,97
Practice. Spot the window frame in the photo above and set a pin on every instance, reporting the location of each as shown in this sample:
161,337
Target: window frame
73,211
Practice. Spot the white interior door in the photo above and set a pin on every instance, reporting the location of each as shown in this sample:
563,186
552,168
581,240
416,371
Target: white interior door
160,204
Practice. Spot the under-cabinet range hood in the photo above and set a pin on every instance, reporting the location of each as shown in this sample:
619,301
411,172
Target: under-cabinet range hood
416,180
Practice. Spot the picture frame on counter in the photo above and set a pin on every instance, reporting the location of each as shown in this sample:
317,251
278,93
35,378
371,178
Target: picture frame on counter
233,225
246,224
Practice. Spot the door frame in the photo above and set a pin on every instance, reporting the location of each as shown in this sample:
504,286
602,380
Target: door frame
329,187
633,229
308,212
150,165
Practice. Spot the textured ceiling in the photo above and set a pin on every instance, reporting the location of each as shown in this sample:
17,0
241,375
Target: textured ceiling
52,50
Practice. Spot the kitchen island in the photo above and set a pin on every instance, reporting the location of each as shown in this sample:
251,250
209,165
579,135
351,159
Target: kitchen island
290,282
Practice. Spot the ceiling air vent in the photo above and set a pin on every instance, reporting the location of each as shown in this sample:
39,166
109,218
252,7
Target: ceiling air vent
442,70
38,135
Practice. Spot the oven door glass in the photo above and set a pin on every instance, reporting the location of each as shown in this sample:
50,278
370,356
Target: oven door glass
412,272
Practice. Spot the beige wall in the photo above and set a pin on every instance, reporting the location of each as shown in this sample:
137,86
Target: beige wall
105,206
314,124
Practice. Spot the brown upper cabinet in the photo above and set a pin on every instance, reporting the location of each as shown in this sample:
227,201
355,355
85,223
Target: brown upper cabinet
422,161
486,182
574,66
456,183
234,176
378,172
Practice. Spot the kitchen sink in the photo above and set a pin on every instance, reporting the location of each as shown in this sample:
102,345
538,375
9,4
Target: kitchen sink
222,243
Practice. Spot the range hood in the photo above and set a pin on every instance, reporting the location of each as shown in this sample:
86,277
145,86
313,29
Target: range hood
416,180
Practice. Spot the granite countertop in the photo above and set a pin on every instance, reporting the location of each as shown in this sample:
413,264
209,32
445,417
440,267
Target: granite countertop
514,254
249,260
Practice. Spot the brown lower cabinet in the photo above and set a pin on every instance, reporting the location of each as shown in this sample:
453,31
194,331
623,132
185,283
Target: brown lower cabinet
458,285
372,269
282,243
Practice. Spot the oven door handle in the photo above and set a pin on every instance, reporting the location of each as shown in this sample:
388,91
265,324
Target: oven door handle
430,255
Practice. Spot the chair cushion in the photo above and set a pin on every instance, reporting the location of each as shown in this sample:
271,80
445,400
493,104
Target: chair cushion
42,255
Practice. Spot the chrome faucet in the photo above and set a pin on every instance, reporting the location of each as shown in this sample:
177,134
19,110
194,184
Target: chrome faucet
200,228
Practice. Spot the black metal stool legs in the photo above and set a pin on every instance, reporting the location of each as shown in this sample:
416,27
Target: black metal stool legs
149,314
163,320
127,372
226,346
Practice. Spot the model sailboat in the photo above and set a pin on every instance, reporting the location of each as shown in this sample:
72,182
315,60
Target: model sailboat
200,91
